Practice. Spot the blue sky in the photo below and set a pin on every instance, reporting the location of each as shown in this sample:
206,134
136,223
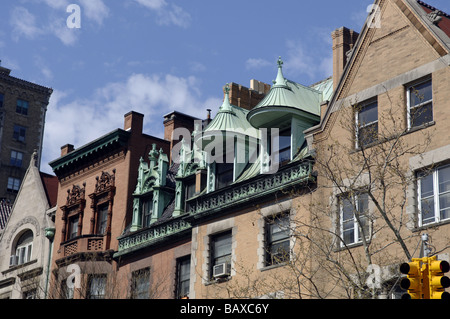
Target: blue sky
156,56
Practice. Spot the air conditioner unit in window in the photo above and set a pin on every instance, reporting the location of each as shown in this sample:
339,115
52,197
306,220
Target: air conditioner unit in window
13,260
221,270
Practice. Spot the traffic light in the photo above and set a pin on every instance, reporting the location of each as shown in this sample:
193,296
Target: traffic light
437,281
413,281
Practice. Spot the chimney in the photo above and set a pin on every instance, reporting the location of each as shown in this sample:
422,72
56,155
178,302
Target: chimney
66,149
343,41
134,121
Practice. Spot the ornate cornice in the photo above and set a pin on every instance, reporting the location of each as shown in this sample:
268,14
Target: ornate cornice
249,192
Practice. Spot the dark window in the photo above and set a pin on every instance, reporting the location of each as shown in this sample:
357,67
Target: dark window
1,99
73,227
102,219
16,159
19,133
22,107
13,185
367,124
277,240
183,277
224,174
147,211
420,104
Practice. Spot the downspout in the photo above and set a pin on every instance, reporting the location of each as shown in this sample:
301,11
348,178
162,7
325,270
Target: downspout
50,234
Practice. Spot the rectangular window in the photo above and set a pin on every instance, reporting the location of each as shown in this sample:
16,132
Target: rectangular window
97,287
367,124
16,159
19,133
147,211
283,152
2,97
183,277
22,107
73,227
434,196
140,284
221,251
13,185
277,240
354,218
420,104
224,174
102,219
189,188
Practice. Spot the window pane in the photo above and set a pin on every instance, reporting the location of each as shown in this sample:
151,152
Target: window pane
224,174
444,179
422,114
421,93
102,219
347,210
427,210
444,205
368,114
426,186
1,100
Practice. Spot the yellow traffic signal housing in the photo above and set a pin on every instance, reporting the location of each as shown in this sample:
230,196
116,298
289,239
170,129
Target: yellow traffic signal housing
437,281
413,281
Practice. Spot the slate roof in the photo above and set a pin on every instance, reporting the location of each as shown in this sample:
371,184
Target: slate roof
5,211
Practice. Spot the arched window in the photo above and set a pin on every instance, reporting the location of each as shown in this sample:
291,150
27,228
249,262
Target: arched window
23,249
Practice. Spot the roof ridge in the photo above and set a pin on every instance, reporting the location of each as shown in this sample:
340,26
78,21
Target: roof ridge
433,8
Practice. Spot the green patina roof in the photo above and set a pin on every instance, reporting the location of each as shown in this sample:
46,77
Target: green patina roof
116,138
290,94
230,118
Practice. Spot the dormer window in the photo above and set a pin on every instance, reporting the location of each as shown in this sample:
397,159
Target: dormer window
224,174
282,153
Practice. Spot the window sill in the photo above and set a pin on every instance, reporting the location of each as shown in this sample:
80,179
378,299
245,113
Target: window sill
431,225
218,281
380,141
267,268
16,267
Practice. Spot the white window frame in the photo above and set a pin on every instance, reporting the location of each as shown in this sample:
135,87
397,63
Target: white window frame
408,101
436,195
357,238
23,252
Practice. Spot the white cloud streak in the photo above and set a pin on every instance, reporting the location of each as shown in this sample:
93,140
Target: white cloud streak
80,121
168,14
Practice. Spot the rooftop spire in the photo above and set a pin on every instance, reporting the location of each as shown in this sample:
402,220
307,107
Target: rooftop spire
226,106
280,81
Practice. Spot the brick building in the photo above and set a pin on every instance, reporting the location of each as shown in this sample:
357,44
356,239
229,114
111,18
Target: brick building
96,183
290,191
23,106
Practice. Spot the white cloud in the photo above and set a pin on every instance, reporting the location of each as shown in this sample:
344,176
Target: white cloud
167,13
255,63
23,23
80,121
94,10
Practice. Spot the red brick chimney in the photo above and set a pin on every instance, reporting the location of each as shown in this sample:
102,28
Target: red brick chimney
134,121
343,41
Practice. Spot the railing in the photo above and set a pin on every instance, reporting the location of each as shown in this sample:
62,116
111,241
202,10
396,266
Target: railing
153,233
249,191
83,244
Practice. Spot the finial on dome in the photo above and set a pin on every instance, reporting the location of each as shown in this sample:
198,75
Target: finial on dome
280,81
226,106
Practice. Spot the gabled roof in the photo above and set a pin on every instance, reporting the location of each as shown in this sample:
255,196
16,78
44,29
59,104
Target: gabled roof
418,12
